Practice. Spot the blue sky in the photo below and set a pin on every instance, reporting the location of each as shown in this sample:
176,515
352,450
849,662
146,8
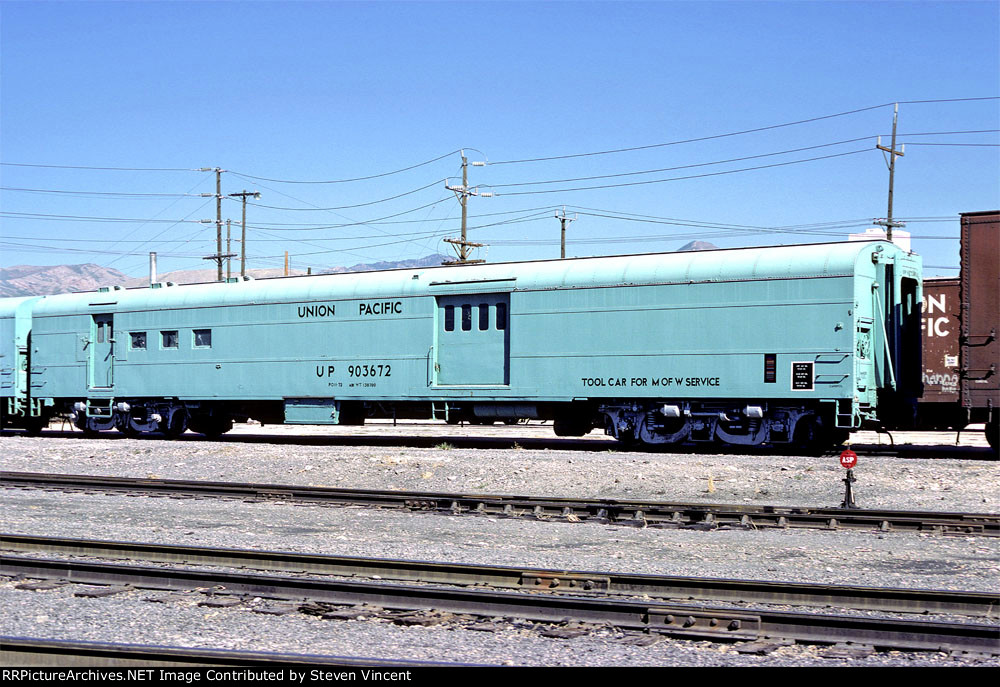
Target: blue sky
331,91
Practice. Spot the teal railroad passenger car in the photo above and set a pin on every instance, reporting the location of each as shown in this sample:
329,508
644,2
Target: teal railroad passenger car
787,344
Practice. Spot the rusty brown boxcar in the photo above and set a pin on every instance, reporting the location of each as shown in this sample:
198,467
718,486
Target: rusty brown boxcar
960,321
979,293
939,406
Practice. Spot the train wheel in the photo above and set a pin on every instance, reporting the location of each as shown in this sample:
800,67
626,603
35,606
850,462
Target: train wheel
34,426
839,436
628,440
811,437
216,427
177,425
129,430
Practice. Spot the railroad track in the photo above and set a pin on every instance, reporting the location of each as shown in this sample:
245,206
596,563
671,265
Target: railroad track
410,603
36,652
536,580
605,511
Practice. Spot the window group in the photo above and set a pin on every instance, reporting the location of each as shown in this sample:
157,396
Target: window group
482,314
170,339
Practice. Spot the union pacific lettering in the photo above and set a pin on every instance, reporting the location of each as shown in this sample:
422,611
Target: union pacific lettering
381,308
324,310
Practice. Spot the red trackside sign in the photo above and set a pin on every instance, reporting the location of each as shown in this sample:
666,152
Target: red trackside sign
848,459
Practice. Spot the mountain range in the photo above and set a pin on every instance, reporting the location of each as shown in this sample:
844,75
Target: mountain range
32,280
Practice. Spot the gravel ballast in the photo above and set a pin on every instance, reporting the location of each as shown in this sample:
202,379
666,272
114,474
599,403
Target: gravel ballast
864,558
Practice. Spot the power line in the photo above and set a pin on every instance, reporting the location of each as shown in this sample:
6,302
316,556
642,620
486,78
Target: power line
691,140
106,194
345,181
112,169
56,249
408,238
416,234
352,223
347,207
166,229
692,176
740,159
734,133
946,100
308,226
87,218
699,164
965,145
339,250
950,133
115,241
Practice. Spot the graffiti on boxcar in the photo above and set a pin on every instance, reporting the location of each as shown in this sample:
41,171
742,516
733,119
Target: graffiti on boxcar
948,383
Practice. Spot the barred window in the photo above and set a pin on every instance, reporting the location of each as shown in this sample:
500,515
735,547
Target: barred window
449,318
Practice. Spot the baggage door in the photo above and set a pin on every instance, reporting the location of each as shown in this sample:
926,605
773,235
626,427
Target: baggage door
102,352
473,340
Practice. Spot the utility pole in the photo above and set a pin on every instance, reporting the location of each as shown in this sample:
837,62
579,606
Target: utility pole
891,162
229,252
219,255
463,192
243,241
218,218
562,220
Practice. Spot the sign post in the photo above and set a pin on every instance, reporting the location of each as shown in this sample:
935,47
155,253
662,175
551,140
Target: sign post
848,459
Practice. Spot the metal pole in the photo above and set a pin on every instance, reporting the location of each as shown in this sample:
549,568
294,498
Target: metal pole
218,220
562,238
229,252
463,244
562,221
464,249
893,154
152,268
243,238
892,171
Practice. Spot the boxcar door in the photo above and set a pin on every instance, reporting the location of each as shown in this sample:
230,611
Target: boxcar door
473,340
102,352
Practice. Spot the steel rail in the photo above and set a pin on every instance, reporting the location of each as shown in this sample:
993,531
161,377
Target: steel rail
896,600
684,621
634,513
33,651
